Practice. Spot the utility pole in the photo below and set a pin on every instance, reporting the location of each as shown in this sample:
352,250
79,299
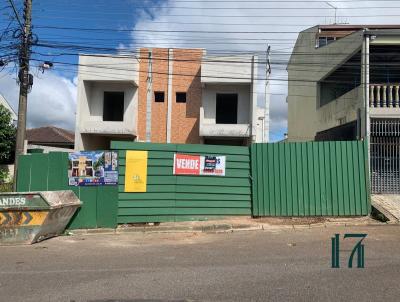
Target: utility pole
267,97
149,96
25,82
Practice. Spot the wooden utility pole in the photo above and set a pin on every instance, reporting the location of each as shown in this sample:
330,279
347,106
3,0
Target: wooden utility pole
25,82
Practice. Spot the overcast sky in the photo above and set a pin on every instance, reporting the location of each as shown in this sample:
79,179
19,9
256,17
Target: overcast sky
53,97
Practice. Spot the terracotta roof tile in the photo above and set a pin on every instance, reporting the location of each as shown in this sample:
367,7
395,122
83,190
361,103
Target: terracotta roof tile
50,134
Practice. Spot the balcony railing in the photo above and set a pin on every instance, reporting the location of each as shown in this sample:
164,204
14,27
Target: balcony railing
384,95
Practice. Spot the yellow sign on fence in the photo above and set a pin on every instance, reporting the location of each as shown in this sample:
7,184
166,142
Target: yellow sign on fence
136,171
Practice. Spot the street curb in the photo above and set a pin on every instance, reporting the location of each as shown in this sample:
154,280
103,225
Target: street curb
214,228
89,231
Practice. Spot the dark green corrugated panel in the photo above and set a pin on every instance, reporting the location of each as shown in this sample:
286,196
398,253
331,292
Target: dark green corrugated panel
144,203
106,206
58,171
167,171
189,210
310,179
167,165
39,172
193,180
209,149
122,145
42,172
164,161
145,196
145,218
86,216
177,198
24,173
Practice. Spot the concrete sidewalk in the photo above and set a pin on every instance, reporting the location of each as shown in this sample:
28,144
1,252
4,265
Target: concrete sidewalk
388,206
232,224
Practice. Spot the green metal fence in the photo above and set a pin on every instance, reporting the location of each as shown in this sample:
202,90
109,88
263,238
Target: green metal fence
310,179
287,179
176,198
49,172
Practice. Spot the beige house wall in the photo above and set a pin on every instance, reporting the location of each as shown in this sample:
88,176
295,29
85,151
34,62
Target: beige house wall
306,67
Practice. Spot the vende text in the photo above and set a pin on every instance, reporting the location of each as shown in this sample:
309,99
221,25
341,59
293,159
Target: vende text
187,163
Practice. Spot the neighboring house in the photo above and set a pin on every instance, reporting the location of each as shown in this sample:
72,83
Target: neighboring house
50,139
344,83
4,102
168,96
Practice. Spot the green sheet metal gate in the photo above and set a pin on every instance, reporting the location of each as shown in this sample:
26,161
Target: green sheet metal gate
49,172
310,179
176,198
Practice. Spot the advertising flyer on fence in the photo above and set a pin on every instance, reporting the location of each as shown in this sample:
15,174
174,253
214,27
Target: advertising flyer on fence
93,168
187,164
136,171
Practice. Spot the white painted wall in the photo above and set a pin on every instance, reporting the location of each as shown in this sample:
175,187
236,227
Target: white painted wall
224,74
209,97
261,129
96,99
254,99
95,76
208,126
47,149
108,68
226,69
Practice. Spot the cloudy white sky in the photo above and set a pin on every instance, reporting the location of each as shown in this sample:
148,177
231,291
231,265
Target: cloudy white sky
226,26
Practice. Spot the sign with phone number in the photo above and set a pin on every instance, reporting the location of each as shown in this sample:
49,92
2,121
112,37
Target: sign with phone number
188,164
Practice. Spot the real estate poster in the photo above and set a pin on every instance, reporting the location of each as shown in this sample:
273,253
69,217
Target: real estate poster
185,164
188,164
93,168
212,165
136,171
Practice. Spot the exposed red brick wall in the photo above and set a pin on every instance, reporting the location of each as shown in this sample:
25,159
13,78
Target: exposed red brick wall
186,78
143,68
160,83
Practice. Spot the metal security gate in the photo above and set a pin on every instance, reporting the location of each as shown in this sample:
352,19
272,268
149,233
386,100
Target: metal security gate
385,156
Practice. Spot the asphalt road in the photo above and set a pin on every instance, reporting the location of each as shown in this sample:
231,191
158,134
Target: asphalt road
275,265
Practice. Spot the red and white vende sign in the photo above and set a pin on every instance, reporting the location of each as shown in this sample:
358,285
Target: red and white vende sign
185,164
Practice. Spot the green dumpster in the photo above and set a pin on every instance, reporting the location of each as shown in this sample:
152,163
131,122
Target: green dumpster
30,217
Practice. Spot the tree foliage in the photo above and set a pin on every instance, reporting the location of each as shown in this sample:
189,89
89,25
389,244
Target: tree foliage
7,136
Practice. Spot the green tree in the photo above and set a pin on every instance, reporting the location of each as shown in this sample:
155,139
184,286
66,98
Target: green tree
7,136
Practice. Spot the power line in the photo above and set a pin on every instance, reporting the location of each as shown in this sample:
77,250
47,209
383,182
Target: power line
238,16
233,1
163,31
193,75
16,14
236,8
